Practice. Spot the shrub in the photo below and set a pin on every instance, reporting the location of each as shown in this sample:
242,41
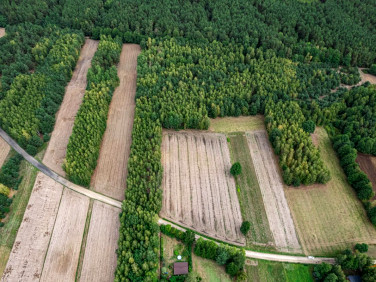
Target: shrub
246,225
236,169
362,248
309,126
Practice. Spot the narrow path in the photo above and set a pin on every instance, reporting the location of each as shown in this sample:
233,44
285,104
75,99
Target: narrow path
55,176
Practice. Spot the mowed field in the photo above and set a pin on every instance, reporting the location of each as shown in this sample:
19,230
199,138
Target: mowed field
329,218
110,175
250,197
74,94
4,151
368,164
237,124
271,185
198,189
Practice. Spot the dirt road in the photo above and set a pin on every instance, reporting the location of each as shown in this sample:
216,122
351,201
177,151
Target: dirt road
74,93
110,175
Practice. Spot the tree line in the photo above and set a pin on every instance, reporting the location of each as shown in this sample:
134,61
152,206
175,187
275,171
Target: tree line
91,119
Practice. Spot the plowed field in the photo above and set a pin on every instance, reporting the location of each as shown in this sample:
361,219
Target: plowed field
199,191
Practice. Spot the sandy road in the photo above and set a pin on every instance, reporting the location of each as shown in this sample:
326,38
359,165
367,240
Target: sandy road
110,175
366,77
271,186
74,93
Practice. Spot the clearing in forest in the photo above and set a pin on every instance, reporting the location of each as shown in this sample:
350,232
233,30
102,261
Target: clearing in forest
366,77
74,94
198,189
30,247
250,197
100,252
367,163
271,186
110,175
237,124
329,217
4,151
64,248
2,31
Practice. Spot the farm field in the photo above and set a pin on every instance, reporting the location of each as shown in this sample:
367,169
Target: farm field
64,248
237,124
265,271
100,258
74,93
27,256
329,218
110,175
199,191
277,210
249,193
368,164
4,151
13,220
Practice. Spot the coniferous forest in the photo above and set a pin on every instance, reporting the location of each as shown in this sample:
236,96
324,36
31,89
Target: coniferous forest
288,60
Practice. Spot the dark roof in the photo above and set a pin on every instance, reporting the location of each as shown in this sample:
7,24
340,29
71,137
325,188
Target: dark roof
180,268
354,278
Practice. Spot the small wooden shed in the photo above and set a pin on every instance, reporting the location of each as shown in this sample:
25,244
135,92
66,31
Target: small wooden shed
180,268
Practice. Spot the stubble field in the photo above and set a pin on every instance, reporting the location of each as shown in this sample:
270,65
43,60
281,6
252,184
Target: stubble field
110,175
271,185
198,189
74,93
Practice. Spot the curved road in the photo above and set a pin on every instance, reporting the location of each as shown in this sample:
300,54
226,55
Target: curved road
97,196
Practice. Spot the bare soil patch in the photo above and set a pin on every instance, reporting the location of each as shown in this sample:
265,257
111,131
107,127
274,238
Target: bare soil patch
366,77
237,124
29,250
329,218
199,191
368,164
74,93
100,253
64,249
110,174
271,185
4,151
2,32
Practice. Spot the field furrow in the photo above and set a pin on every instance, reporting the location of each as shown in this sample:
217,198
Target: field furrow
29,250
175,203
100,253
166,181
74,93
110,175
186,207
64,249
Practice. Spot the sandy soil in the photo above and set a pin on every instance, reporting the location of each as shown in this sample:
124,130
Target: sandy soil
64,250
366,77
4,151
74,94
29,250
110,175
270,181
368,164
100,258
2,32
199,191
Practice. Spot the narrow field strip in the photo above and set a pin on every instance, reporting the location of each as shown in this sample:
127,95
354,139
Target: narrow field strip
110,175
199,191
4,151
64,249
100,253
74,93
29,250
277,209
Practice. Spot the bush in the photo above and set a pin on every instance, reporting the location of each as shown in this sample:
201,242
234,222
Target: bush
246,225
236,169
309,126
362,248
